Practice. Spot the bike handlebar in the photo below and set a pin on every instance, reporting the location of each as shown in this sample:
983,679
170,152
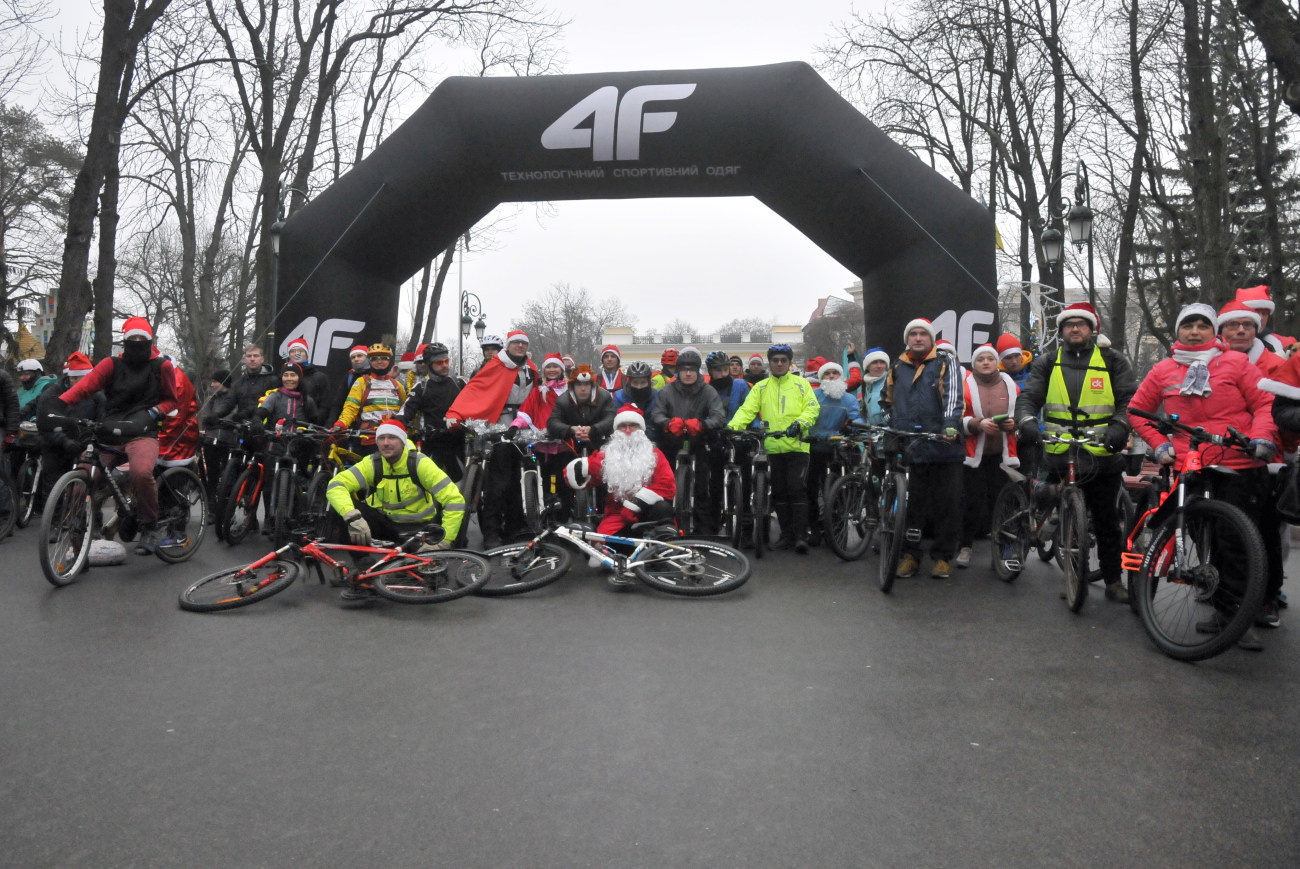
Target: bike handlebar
1169,424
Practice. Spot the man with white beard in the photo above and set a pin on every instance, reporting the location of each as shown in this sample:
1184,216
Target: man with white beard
640,483
838,409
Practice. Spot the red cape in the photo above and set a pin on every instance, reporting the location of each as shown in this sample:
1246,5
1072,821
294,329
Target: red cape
484,397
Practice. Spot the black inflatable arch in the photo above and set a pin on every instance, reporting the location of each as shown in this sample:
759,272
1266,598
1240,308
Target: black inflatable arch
779,133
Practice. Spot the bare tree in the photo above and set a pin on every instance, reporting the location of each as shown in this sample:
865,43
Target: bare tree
1277,27
21,44
568,320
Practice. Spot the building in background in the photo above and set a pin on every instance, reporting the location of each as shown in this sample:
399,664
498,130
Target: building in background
649,348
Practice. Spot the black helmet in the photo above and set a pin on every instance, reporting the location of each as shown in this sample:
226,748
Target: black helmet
637,369
716,359
689,358
435,351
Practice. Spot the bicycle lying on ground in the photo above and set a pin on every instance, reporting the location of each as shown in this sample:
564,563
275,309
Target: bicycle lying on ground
1201,580
695,568
397,573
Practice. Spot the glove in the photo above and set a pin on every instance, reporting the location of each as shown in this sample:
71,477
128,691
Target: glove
70,447
1028,433
440,546
1165,453
693,427
338,426
358,528
510,433
793,431
1116,437
11,437
153,414
676,426
1264,450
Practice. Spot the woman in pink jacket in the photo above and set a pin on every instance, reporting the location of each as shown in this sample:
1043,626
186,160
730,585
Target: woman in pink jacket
1208,385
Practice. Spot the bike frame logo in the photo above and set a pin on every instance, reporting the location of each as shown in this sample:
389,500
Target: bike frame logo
617,124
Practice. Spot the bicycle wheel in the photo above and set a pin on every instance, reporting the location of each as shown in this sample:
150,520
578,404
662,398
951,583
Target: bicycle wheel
893,527
695,568
1047,549
316,505
1074,545
281,507
850,517
1009,537
67,528
239,586
225,488
521,567
8,504
733,519
470,488
682,507
240,513
26,482
183,510
449,575
1200,608
762,512
532,485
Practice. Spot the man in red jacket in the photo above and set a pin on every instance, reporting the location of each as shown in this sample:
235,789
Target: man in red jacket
641,484
1239,325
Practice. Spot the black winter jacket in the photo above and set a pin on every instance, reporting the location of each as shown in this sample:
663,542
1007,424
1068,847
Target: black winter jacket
48,402
9,401
569,412
316,386
249,389
701,401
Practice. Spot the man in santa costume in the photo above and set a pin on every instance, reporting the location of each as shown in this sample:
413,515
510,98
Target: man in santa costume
1258,299
1239,327
611,371
494,395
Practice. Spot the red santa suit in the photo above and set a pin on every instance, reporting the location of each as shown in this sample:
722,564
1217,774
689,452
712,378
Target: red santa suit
178,431
649,483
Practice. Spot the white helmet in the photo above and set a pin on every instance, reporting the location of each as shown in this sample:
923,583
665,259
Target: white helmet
30,365
491,340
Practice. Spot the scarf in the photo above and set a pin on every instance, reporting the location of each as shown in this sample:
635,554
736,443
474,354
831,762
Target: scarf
1197,359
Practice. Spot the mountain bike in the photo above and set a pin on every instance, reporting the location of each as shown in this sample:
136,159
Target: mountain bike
852,511
893,529
298,481
1201,579
684,502
398,572
737,514
10,504
235,501
27,477
693,568
72,519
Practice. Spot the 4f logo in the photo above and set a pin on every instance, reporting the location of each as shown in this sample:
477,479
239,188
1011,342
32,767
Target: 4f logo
333,334
616,125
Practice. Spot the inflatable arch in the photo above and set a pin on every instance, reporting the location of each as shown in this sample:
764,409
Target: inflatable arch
778,133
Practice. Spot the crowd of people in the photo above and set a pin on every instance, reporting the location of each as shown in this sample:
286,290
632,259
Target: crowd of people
624,428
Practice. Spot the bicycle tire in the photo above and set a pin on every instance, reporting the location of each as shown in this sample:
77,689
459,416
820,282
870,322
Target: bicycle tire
762,513
1173,610
225,486
228,589
893,527
26,484
532,501
451,574
1010,532
709,569
281,507
470,488
1074,542
8,504
67,528
734,516
1047,549
240,512
849,522
683,509
183,510
520,567
316,511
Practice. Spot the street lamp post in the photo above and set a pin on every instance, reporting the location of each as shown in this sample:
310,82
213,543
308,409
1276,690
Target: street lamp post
1079,220
471,314
276,230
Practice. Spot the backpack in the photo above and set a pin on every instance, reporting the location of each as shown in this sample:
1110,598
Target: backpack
412,465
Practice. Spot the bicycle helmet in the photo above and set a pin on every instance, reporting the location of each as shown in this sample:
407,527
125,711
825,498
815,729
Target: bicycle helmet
717,360
379,350
490,340
689,358
433,352
637,369
30,365
780,350
669,357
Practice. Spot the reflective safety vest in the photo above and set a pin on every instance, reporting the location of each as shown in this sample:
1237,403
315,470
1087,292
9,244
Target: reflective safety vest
1096,404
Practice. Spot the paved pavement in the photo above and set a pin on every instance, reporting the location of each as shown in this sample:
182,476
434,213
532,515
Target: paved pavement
804,720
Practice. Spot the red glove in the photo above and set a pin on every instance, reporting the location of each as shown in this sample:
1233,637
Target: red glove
11,437
338,426
693,427
676,426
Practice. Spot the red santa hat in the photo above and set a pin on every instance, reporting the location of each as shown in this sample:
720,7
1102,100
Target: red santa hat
629,413
407,362
297,342
517,335
611,348
137,327
1079,311
1009,345
1236,310
919,323
553,359
814,363
391,426
1257,298
945,346
760,357
984,348
568,360
77,365
360,348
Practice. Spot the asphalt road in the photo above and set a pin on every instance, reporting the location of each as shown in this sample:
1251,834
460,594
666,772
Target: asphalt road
804,720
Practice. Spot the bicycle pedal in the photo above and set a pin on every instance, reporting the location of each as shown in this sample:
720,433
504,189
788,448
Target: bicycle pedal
913,535
1012,565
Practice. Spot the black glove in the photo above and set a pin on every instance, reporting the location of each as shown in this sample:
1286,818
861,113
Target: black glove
1028,432
70,447
793,431
1116,438
509,434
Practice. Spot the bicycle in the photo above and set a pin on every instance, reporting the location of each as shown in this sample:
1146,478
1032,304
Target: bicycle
27,479
400,573
892,525
684,502
297,478
72,511
232,508
1201,579
851,513
692,568
9,504
736,513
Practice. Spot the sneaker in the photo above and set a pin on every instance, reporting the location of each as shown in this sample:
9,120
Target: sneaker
815,538
801,547
1212,625
908,567
1117,592
782,542
963,557
940,570
148,542
1250,641
1268,617
354,592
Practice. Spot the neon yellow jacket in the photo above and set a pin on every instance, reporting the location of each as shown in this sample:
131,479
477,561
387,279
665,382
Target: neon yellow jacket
779,401
397,495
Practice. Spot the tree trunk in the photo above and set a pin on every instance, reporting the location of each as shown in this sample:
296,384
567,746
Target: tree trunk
438,283
106,273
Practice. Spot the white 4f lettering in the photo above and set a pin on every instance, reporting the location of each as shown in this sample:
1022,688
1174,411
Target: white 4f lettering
333,334
616,125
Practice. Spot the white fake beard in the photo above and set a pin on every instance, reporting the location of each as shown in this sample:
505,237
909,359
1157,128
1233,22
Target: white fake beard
629,463
835,389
